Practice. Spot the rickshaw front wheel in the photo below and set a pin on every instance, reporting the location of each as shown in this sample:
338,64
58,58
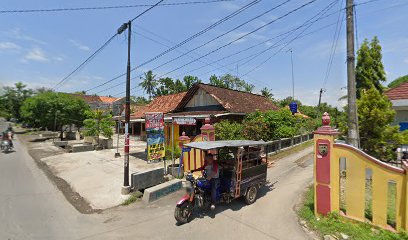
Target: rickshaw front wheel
251,194
183,212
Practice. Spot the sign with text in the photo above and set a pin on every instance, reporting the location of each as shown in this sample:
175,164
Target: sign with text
184,120
155,136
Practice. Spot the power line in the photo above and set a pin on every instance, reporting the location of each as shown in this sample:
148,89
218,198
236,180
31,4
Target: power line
108,7
240,10
101,48
93,55
223,34
245,35
334,45
322,12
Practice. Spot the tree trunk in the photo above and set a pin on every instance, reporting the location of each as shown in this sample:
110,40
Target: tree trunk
62,133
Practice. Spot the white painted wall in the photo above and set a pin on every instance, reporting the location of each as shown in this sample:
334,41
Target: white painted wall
202,98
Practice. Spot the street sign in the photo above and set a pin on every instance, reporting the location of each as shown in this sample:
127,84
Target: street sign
293,107
184,120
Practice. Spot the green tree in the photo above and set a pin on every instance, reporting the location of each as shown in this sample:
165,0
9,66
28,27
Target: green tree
227,130
13,98
98,123
375,114
141,100
215,81
248,87
54,110
149,83
369,69
189,81
267,93
398,81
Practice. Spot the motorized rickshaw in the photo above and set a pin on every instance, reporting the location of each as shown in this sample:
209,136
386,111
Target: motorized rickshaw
242,171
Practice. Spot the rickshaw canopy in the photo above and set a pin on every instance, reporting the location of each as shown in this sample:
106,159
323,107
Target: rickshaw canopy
224,143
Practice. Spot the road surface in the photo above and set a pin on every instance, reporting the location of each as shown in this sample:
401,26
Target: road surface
31,207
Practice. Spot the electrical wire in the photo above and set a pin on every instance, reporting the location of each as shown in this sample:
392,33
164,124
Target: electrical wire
80,66
235,13
100,49
322,12
241,37
107,7
334,45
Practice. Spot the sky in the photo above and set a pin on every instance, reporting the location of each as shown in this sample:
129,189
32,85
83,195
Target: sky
41,48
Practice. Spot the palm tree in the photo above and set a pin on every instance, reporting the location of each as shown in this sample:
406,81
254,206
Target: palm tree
149,83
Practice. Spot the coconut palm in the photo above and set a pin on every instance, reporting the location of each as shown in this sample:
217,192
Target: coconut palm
149,83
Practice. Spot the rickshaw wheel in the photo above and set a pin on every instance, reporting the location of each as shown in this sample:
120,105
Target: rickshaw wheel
184,212
250,196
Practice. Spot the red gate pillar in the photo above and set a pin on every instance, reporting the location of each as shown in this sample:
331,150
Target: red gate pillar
324,167
208,131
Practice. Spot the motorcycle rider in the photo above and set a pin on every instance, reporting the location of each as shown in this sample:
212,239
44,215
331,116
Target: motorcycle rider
213,173
7,136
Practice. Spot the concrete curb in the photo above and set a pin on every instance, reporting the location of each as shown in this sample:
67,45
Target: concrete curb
161,190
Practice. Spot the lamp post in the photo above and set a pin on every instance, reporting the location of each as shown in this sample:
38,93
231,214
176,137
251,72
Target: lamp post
126,187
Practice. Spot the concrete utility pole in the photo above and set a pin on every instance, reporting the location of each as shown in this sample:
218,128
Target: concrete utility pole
126,187
353,135
320,97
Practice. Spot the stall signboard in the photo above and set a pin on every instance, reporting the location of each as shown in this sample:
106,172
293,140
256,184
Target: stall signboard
184,120
155,136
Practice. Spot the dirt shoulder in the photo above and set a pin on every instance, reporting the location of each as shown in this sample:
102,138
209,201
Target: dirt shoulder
35,149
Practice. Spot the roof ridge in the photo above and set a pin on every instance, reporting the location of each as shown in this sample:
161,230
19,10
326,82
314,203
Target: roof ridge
231,89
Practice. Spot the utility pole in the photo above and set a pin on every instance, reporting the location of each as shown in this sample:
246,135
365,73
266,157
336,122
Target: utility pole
126,187
293,75
352,135
320,97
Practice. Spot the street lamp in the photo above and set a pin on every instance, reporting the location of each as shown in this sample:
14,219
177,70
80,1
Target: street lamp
126,187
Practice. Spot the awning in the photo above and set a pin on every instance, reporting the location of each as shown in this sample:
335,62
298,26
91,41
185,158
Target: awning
220,144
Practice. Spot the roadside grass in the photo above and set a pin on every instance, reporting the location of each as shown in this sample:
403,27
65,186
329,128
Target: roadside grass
285,153
334,224
134,196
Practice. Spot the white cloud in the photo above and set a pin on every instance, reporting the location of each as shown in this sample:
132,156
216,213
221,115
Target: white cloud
16,33
406,60
35,54
9,45
79,45
59,59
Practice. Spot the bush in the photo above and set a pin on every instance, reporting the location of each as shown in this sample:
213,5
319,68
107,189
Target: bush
227,130
177,153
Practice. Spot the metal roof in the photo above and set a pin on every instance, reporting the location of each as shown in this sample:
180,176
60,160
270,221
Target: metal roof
220,144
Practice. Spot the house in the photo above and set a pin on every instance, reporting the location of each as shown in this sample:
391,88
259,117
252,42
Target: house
102,102
186,111
399,99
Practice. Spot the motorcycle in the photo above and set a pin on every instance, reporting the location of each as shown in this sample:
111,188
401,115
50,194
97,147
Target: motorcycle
198,196
6,146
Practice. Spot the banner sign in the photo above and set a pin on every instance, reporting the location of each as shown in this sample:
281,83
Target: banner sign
184,120
155,135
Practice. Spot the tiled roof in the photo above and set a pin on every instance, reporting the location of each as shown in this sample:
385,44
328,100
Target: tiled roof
93,99
195,113
163,104
399,92
231,100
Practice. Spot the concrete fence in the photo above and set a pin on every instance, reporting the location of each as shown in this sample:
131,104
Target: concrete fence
276,146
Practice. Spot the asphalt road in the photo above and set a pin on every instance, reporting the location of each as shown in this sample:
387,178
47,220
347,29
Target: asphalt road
33,208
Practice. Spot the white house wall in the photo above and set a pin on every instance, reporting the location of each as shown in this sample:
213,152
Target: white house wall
202,98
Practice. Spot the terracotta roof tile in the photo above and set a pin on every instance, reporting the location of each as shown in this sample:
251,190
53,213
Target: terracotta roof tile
92,98
232,100
399,92
163,104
